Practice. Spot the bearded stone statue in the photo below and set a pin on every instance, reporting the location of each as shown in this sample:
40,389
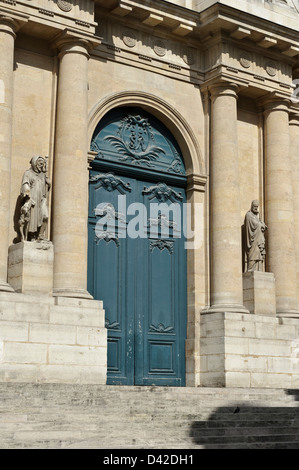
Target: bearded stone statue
255,238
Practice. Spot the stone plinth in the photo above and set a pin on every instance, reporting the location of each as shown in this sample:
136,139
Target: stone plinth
30,267
45,339
259,293
255,351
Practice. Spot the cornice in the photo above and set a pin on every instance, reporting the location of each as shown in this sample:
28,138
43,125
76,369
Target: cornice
179,20
45,19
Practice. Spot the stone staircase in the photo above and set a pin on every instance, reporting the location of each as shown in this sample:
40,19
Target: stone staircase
55,416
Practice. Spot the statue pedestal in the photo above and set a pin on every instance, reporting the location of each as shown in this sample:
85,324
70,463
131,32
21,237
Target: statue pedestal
30,267
259,293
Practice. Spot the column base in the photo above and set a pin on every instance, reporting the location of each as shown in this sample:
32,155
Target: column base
5,287
223,308
71,292
288,314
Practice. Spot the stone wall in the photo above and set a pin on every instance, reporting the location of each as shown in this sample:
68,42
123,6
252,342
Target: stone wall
249,351
52,340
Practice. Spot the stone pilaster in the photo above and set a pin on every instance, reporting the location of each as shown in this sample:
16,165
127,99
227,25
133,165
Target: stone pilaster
279,205
70,181
294,152
8,28
225,221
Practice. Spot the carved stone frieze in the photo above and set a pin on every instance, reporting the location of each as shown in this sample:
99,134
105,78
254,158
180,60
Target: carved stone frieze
129,38
271,69
64,5
189,56
245,59
159,48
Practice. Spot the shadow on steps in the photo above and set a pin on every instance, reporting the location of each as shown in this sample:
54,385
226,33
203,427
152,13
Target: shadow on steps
245,426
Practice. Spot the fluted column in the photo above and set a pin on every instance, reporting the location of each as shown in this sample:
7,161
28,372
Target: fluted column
280,205
70,179
7,39
294,152
225,215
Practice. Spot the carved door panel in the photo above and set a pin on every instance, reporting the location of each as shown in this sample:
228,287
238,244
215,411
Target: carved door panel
137,258
111,278
161,290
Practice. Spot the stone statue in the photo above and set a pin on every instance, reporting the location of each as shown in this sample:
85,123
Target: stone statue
255,238
34,212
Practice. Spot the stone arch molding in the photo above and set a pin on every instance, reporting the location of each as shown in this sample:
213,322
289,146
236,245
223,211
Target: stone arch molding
159,108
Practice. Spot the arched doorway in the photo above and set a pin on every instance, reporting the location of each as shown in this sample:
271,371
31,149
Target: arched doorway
137,256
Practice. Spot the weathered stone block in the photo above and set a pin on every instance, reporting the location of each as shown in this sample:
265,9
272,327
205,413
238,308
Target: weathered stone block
52,334
234,345
260,380
77,355
30,267
237,379
77,316
73,374
259,293
92,336
25,353
259,347
13,331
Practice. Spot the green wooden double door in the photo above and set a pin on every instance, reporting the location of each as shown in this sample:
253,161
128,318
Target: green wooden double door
137,255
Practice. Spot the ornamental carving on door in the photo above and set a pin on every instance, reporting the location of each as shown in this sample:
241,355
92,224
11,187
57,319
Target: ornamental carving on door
135,141
110,182
162,192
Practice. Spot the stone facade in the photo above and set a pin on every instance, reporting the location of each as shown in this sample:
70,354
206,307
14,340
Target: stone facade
222,77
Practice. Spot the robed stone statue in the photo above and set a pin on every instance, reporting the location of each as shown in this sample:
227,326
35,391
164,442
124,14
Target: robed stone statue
34,211
255,238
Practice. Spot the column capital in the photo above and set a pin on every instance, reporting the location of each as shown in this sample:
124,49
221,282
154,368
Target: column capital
294,119
223,88
10,24
71,42
274,102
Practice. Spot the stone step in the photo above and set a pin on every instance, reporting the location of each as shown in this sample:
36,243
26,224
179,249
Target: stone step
50,416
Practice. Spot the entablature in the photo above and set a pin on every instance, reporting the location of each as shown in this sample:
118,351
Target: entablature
217,38
250,30
156,14
47,17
